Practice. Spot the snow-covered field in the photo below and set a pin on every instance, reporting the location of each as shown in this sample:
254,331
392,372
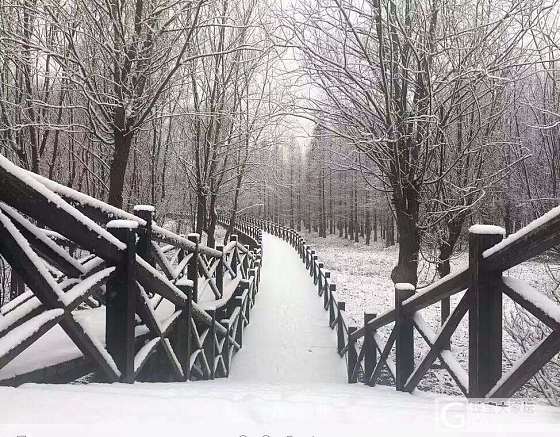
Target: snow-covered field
362,276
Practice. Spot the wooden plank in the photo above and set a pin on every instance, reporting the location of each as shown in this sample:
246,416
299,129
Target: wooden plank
32,198
442,289
380,321
447,359
20,338
530,241
23,261
440,342
528,366
538,306
44,245
161,260
383,358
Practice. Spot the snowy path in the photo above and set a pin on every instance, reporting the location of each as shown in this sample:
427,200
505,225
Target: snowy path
288,339
287,380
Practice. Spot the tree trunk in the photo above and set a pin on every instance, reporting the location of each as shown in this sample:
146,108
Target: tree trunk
117,172
200,212
407,209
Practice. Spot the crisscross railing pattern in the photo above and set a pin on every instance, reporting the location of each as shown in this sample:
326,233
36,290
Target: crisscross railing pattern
482,285
161,292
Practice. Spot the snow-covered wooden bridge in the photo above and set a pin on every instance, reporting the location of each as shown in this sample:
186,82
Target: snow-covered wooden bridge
113,292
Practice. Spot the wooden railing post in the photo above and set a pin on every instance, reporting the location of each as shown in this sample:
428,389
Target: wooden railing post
326,284
192,268
485,313
210,349
404,357
220,270
234,257
253,291
340,326
312,265
320,279
370,354
315,265
120,302
144,245
245,265
352,357
181,338
227,345
240,321
327,296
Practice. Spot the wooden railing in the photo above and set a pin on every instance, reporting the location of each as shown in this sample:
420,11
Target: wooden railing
161,291
483,284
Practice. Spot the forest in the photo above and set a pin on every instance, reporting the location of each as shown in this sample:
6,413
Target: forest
385,122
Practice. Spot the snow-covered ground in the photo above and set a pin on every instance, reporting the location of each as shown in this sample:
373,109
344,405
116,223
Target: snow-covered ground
288,340
362,276
287,381
228,408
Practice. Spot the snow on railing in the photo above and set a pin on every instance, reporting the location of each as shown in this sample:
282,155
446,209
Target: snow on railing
120,273
490,255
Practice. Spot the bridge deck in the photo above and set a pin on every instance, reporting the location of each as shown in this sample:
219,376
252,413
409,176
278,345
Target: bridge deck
288,339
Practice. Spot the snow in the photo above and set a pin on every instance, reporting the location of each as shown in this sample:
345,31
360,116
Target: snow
44,186
85,285
149,208
540,300
230,408
38,263
17,301
21,311
404,286
77,196
288,339
549,216
487,230
287,380
122,224
24,331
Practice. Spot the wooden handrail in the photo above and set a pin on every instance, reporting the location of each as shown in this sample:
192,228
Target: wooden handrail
483,282
124,260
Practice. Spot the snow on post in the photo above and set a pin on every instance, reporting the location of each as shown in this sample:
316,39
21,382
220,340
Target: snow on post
485,314
487,230
148,208
122,224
